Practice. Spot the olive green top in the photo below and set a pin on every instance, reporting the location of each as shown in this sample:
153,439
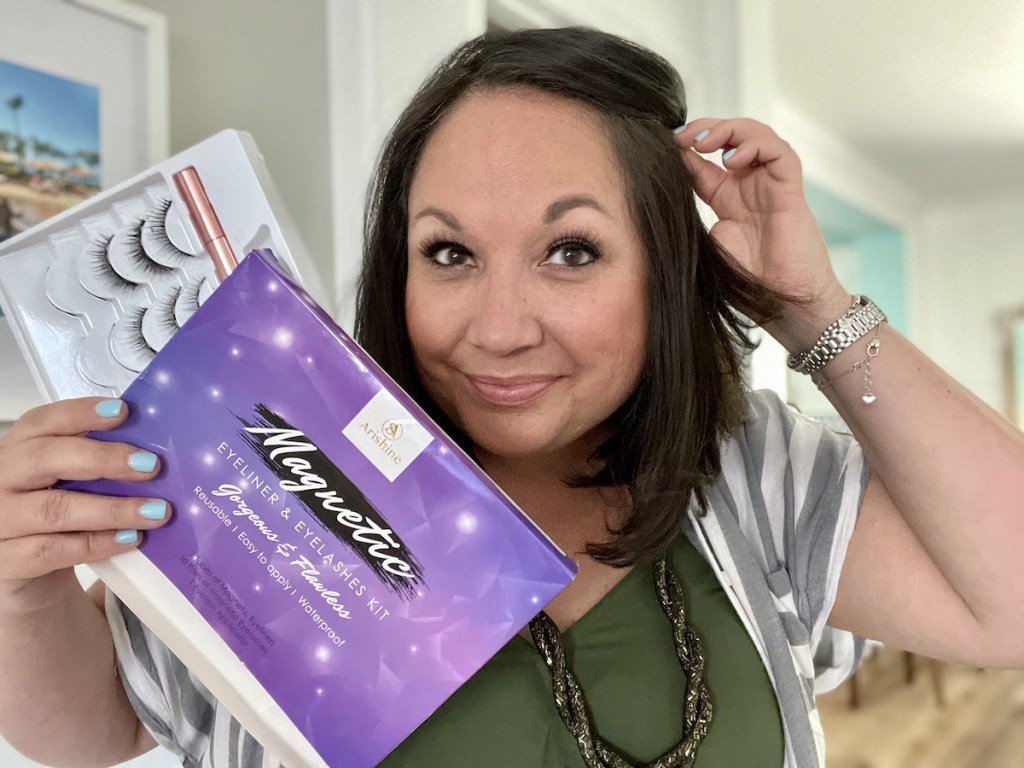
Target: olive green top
624,658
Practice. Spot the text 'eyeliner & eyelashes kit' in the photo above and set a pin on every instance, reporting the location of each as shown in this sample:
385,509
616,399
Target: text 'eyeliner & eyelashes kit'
335,566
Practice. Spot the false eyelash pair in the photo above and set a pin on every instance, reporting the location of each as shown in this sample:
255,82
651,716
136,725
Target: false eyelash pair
142,331
120,265
134,287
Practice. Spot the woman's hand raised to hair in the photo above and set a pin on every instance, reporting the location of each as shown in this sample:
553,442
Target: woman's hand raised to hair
45,531
764,220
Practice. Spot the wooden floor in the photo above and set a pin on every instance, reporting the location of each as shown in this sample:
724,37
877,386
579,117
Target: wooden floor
900,725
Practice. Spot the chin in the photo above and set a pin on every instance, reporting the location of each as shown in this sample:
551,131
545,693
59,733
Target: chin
532,432
511,445
514,450
508,440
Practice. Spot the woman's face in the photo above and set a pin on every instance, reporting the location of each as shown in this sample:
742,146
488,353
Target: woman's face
526,296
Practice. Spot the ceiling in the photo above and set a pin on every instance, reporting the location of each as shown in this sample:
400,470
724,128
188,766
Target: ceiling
932,91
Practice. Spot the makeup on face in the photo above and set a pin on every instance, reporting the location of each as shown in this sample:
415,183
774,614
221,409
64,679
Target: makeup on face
520,229
95,292
510,390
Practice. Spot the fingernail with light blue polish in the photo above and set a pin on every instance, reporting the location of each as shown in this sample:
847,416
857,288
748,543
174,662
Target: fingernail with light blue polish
109,409
127,536
142,461
729,154
154,510
680,129
701,135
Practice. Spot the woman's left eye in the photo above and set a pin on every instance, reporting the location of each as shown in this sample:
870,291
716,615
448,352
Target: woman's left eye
572,253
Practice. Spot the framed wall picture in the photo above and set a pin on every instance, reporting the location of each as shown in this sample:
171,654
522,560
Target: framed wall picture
83,106
50,158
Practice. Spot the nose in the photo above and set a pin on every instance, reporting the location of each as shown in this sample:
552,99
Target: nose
506,316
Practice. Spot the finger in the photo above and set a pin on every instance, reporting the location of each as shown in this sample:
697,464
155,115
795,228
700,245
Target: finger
60,511
700,134
41,462
70,417
776,157
707,176
685,135
754,144
33,556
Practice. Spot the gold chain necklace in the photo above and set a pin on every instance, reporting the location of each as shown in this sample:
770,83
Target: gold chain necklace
572,706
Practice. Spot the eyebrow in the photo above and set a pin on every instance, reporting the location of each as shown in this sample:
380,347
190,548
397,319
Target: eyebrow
443,215
552,213
565,204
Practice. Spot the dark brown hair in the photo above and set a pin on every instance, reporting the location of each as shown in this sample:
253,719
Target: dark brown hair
664,446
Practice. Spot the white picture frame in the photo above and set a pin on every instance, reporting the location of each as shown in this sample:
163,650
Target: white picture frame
1011,325
123,50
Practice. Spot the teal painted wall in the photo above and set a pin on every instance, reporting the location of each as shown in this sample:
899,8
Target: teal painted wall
882,271
879,248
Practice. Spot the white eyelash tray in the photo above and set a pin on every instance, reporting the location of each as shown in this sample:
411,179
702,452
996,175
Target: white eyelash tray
93,293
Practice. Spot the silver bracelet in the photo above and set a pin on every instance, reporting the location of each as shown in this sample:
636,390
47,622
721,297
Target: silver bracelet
862,316
869,388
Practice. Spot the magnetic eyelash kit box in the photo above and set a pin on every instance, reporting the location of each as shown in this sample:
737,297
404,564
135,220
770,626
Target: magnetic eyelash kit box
336,566
93,293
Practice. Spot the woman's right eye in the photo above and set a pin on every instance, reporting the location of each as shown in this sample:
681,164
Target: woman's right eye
447,254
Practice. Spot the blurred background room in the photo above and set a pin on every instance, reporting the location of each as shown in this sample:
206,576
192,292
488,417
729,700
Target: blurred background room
908,117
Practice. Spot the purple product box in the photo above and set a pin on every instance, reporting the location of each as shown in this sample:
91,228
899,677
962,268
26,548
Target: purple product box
355,560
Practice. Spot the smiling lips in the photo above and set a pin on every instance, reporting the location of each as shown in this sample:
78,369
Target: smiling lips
512,390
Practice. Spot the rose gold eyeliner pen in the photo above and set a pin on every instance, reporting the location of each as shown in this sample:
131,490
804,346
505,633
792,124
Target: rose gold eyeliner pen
200,210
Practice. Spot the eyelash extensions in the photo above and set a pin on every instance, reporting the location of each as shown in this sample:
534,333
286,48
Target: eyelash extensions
95,292
576,238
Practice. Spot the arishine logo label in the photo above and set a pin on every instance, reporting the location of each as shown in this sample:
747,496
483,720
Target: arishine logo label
387,435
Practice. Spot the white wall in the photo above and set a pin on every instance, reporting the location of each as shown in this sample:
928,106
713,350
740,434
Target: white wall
380,52
259,66
971,269
965,259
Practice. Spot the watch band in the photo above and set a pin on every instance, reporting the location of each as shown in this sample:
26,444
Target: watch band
859,319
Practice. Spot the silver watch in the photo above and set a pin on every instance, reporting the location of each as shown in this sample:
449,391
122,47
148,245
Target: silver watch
861,317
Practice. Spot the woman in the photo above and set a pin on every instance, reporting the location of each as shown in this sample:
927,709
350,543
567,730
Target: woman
567,318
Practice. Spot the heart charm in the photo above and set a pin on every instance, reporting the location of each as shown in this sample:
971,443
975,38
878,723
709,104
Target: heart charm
868,399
